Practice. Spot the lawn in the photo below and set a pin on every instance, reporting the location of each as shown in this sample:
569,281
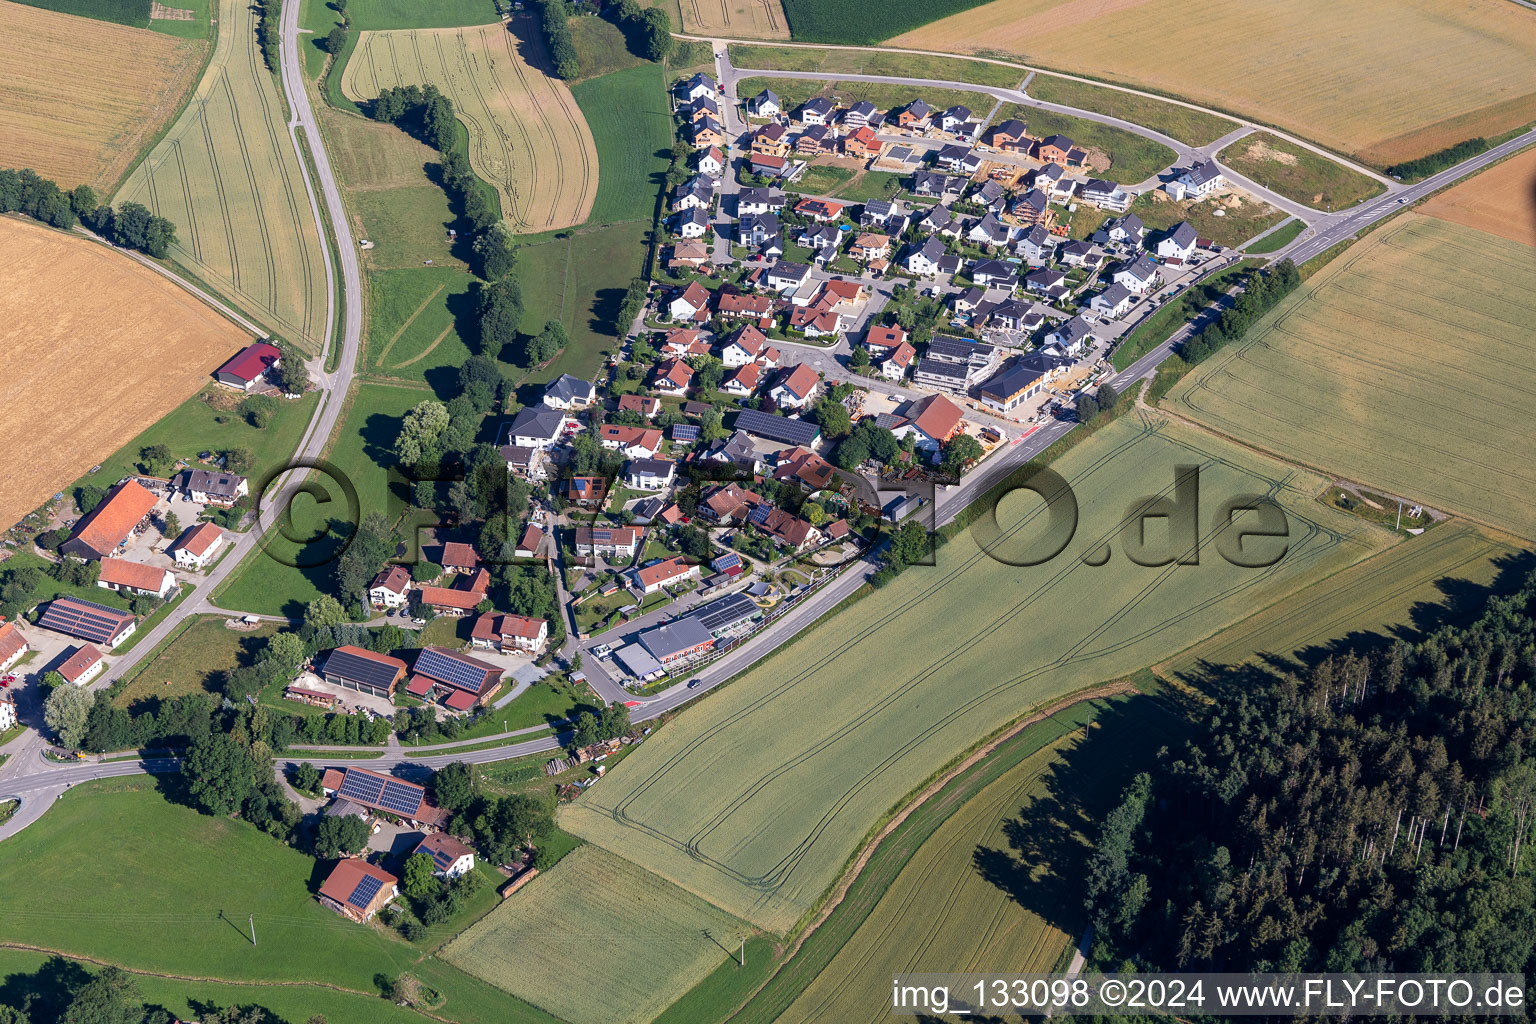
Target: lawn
211,421
824,738
51,588
194,661
227,175
870,185
1379,79
1131,157
821,180
1279,239
875,62
1241,217
361,451
631,125
550,700
130,903
656,941
1298,174
1378,409
1192,127
407,226
600,47
415,320
1400,594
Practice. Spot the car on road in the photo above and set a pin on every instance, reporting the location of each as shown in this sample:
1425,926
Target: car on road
694,682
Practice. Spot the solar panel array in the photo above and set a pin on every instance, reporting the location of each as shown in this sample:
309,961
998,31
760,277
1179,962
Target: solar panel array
760,514
777,428
357,668
387,794
85,619
367,888
451,670
727,611
400,798
684,432
725,561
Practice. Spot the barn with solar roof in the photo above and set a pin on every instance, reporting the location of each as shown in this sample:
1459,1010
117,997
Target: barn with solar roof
358,890
385,794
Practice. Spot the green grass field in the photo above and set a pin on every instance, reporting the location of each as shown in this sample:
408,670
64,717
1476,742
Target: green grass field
196,27
1241,217
875,62
848,21
227,175
414,321
657,941
194,661
631,124
361,450
821,179
120,12
1385,369
1193,127
1280,239
1131,158
869,185
600,47
822,740
195,426
1298,174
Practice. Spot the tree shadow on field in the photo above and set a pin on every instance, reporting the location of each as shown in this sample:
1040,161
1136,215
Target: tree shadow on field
605,311
1049,838
44,994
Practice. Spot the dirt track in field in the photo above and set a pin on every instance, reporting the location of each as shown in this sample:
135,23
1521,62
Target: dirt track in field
96,348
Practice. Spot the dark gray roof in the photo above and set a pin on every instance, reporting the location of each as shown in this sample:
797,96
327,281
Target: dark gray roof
224,485
958,112
1075,329
994,268
536,421
940,368
1113,295
1182,234
932,249
347,665
568,388
777,428
820,104
650,467
1011,381
1203,172
767,94
790,271
675,637
863,108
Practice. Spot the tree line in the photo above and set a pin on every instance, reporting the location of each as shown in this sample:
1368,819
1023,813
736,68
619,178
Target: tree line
131,225
647,33
1261,294
1424,166
268,33
1370,813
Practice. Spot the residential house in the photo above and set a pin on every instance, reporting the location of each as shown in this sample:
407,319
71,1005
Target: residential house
822,240
914,114
357,890
1106,195
988,231
1062,191
923,261
817,111
1032,208
568,392
537,427
1138,276
645,405
706,133
135,578
1010,136
83,664
930,421
894,365
450,858
940,221
729,503
759,200
121,515
765,104
711,162
882,340
673,378
87,620
862,142
508,633
12,646
196,546
1080,253
822,211
690,302
743,381
208,487
954,117
859,115
991,195
363,670
1045,177
692,195
1178,243
795,386
931,184
607,542
1126,230
683,343
459,557
7,710
1035,245
666,572
377,793
883,215
460,681
746,345
699,85
699,109
649,474
528,543
1113,302
816,140
770,140
814,321
1071,337
769,166
1198,181
688,255
693,223
786,277
754,229
1013,315
788,530
248,367
632,442
390,588
1050,283
995,274
1012,387
1058,149
587,491
804,467
870,246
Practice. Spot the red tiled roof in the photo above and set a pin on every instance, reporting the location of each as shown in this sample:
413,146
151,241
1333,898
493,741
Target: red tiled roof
477,582
448,597
804,465
393,578
382,659
885,337
459,555
902,354
332,778
733,500
818,208
695,295
460,700
109,523
938,417
644,404
645,437
11,641
799,381
778,163
747,376
419,686
532,537
76,665
661,572
491,625
251,362
787,527
198,539
344,878
744,305
137,575
617,536
676,372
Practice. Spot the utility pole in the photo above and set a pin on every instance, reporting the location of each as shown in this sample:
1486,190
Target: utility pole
743,939
1399,525
253,929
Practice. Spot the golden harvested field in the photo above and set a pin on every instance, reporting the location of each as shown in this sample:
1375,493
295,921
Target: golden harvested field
756,19
229,178
1501,201
756,798
97,348
596,940
1408,364
1383,80
526,134
82,96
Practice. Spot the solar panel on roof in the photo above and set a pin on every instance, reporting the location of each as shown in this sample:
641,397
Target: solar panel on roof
367,888
725,612
760,514
453,671
777,428
400,799
362,788
684,432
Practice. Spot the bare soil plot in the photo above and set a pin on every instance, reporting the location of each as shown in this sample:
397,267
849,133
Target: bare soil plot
227,175
1407,364
759,19
527,136
82,97
1501,200
97,348
1384,80
656,941
756,798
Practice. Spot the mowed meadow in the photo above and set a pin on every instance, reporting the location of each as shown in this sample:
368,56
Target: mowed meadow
756,798
1407,364
83,97
227,175
1381,80
527,136
97,348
